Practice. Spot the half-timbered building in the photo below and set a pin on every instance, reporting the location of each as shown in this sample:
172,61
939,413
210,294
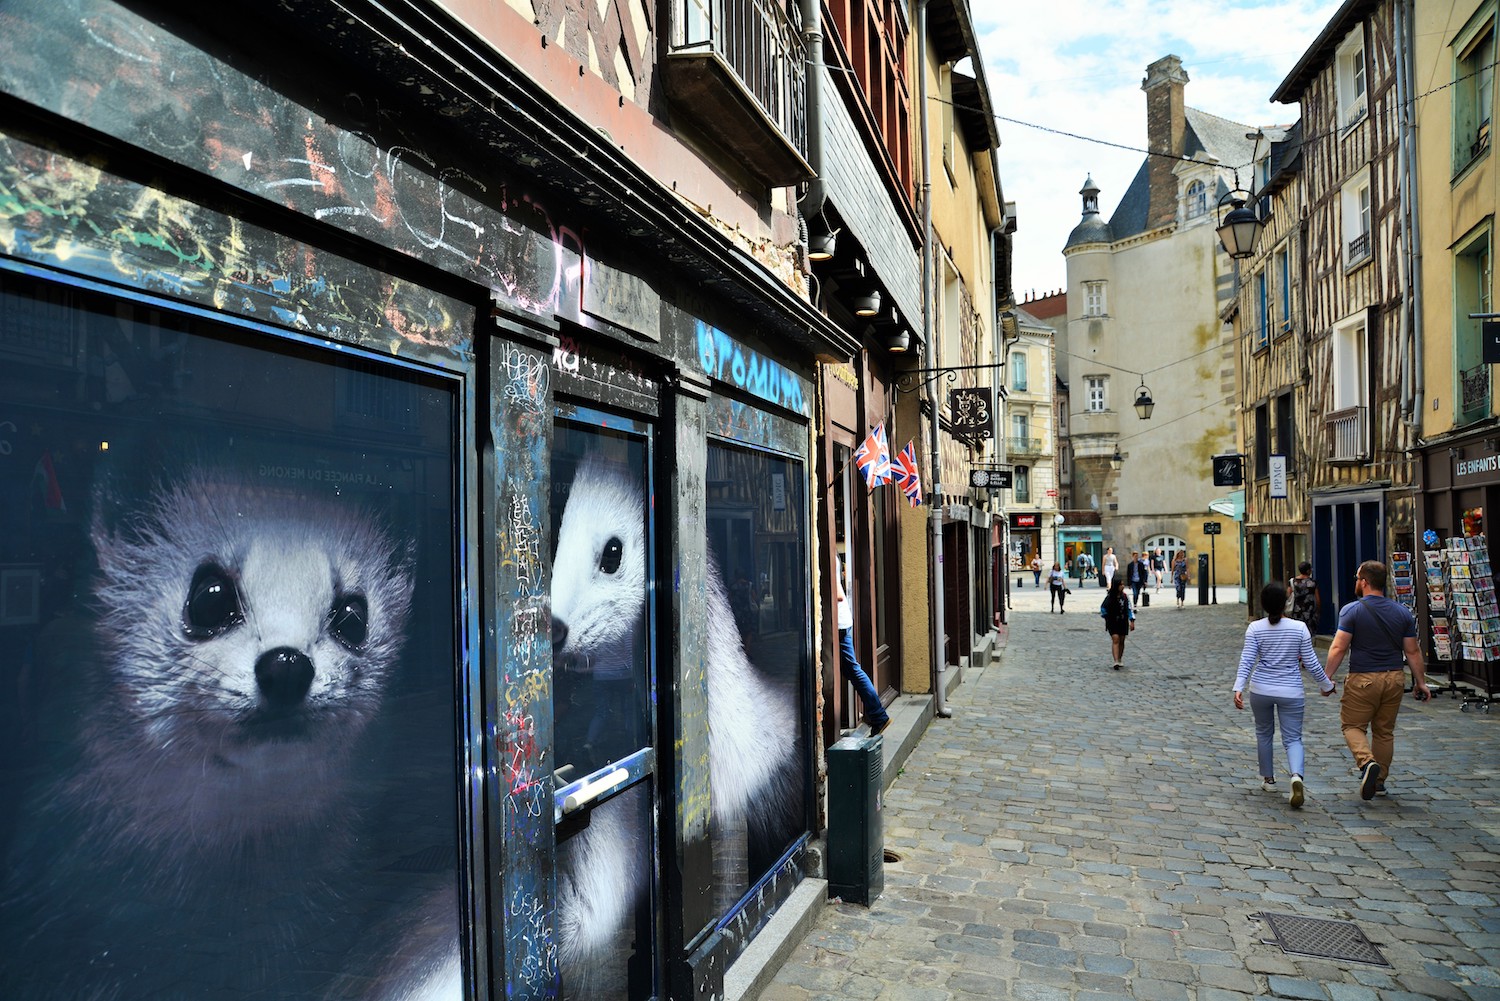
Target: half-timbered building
1359,471
1275,379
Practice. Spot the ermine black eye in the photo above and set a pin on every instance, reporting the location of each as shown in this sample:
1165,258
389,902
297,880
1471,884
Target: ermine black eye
213,604
614,550
349,621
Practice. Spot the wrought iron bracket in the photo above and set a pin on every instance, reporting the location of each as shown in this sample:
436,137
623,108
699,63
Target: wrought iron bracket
910,381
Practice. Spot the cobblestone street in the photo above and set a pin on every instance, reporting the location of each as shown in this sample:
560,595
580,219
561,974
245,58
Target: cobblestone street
1076,832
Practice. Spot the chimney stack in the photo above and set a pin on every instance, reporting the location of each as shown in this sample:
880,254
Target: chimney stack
1166,124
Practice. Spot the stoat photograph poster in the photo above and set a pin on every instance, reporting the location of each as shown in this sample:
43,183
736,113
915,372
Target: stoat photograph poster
228,645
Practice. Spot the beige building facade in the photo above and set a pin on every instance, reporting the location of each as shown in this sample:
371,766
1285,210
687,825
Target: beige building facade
1145,294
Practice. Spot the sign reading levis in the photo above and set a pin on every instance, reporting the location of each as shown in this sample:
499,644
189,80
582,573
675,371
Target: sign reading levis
1483,469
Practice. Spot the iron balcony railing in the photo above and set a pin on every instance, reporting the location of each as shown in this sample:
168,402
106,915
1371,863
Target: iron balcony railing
1474,392
761,42
1348,438
1359,248
1023,446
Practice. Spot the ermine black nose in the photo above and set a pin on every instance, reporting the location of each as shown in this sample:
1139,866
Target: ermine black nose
284,676
559,635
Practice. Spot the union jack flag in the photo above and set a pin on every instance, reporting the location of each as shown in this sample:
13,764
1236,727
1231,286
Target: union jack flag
908,477
873,457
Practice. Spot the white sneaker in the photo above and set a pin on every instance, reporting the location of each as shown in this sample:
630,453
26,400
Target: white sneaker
1269,785
1297,792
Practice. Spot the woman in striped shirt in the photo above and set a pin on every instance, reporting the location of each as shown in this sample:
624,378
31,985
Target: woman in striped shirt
1277,650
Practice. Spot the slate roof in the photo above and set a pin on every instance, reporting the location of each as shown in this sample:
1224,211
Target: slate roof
1219,138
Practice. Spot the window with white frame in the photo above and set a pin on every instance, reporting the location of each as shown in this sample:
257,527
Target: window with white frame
1473,90
1350,369
1350,81
1018,371
1093,299
1093,387
1355,203
1197,199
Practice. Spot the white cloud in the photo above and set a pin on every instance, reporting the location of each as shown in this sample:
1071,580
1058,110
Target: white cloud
1077,67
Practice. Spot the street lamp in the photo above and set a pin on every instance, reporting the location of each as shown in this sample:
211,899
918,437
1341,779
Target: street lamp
1057,523
1117,460
1240,227
1144,404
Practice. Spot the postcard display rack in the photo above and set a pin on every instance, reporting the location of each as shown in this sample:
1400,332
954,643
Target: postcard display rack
1463,613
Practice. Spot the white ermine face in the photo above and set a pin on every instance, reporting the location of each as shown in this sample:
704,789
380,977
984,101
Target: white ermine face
599,572
240,627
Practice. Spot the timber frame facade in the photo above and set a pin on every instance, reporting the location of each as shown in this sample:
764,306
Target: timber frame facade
1276,372
1360,474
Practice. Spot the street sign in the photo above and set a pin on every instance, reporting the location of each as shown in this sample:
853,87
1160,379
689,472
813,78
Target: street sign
991,479
1212,528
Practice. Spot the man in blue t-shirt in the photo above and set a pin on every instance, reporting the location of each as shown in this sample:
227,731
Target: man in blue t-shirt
1379,636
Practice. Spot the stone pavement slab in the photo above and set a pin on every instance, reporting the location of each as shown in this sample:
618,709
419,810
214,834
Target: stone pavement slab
1075,832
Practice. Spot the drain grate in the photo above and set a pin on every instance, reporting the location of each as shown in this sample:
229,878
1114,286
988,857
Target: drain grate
1323,938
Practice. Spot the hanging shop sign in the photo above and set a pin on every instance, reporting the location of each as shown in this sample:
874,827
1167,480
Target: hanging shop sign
990,479
973,413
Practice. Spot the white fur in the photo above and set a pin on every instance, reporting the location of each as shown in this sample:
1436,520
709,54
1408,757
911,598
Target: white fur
752,724
178,748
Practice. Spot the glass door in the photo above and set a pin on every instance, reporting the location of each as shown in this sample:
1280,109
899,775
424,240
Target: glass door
603,627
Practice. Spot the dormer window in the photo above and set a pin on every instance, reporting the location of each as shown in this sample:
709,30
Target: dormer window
1197,199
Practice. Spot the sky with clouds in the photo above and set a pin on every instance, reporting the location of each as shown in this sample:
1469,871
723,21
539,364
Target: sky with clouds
1077,67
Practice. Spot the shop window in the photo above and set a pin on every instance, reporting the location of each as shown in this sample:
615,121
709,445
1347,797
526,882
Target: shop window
229,753
758,662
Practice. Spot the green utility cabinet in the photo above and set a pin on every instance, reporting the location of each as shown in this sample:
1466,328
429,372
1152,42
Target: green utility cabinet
856,852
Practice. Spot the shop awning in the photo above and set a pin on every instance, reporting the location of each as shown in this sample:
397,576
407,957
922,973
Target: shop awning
1231,506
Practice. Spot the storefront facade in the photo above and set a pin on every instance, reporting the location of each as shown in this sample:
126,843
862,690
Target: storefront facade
1460,483
408,589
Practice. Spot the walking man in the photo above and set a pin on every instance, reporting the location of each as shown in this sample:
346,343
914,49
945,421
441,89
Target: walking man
1376,634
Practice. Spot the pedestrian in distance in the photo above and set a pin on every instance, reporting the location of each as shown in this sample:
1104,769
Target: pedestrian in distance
1036,571
1307,604
1119,619
1057,587
874,710
1158,567
1180,578
1110,567
1277,650
1137,575
1376,634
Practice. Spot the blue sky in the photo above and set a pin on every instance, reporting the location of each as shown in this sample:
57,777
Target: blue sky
1077,67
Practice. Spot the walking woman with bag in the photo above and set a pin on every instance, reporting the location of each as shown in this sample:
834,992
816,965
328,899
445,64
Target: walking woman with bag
1119,618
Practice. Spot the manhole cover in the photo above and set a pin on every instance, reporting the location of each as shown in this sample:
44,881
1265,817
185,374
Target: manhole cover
1323,938
891,856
